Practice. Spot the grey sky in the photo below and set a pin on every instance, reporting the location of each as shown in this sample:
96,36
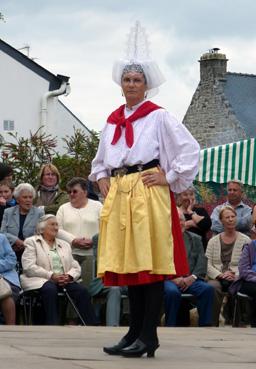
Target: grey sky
82,38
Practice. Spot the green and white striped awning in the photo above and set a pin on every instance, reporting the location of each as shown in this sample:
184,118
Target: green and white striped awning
231,161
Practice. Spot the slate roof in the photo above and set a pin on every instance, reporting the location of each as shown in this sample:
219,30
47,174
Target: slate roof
240,91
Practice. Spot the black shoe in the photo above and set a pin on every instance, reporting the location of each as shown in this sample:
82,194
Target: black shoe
116,349
138,348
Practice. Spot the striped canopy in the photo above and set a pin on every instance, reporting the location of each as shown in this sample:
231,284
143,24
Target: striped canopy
231,161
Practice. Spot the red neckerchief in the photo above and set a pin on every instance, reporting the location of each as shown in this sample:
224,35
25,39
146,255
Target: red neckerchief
118,118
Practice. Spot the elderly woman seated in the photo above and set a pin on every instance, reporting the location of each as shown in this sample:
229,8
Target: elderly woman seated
80,217
223,253
8,272
19,222
48,266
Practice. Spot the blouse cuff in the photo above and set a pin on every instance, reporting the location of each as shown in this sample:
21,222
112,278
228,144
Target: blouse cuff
171,176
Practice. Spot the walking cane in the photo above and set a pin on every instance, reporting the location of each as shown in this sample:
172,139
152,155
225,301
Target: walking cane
73,305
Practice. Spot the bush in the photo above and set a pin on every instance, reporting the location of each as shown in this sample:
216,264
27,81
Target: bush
27,155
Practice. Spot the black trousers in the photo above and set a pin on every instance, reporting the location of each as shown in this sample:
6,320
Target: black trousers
49,293
145,307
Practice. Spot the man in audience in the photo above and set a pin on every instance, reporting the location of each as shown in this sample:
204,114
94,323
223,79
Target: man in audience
193,283
243,211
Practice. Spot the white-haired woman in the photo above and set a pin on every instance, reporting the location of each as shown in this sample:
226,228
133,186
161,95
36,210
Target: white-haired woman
48,265
143,152
19,222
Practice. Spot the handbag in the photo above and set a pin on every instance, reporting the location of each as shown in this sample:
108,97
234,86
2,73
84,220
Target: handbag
5,288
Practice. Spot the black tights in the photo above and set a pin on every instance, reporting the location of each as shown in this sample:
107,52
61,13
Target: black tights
145,307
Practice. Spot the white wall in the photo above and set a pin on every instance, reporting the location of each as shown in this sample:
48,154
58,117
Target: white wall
21,92
61,123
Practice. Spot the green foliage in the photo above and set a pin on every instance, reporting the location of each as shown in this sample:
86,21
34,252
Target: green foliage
26,155
2,17
80,151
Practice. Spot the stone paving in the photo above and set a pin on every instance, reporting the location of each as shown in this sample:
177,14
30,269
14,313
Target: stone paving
36,347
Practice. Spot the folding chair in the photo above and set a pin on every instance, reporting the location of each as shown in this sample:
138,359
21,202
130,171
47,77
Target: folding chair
33,311
239,297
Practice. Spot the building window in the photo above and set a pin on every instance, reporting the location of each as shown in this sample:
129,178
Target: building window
8,125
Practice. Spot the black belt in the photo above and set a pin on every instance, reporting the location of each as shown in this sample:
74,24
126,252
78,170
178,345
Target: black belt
134,168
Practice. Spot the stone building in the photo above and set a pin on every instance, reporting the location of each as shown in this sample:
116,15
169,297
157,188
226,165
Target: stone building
223,107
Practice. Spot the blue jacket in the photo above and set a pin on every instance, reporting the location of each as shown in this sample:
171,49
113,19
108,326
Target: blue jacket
8,261
11,223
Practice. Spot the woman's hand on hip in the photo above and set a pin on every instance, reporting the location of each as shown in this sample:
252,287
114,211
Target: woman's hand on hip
104,185
154,178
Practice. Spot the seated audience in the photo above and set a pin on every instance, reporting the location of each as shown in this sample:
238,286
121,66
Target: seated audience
6,197
197,219
193,283
8,272
48,266
19,221
246,282
243,211
80,217
6,172
223,253
48,193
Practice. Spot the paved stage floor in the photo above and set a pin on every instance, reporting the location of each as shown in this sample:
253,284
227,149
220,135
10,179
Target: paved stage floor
36,347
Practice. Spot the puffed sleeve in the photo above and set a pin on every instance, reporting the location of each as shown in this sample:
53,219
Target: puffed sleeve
179,152
98,169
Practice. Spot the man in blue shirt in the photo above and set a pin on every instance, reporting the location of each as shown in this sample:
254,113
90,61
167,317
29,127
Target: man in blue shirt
244,212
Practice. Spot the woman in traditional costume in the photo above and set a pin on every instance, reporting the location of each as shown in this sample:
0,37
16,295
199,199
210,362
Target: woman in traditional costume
143,154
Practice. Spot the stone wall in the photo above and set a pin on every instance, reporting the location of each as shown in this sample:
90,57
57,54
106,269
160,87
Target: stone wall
210,118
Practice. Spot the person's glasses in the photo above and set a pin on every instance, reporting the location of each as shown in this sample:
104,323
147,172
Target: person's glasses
72,191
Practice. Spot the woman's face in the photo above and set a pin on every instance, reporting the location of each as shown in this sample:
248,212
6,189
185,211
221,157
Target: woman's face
51,228
134,87
77,195
184,199
49,178
6,192
228,219
25,201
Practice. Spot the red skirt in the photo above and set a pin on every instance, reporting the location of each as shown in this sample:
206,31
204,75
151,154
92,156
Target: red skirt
144,277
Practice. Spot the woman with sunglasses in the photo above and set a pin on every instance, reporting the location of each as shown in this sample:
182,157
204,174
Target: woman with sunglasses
80,217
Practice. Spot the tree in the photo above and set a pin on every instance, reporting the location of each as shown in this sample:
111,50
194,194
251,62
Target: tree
26,155
2,17
80,151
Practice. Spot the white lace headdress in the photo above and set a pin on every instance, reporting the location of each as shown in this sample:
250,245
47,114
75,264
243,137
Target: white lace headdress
138,59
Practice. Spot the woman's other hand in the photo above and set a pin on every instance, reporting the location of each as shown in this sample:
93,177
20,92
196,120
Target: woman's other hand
104,185
18,245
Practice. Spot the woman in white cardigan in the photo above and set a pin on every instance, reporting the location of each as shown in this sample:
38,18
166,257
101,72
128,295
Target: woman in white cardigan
223,253
48,266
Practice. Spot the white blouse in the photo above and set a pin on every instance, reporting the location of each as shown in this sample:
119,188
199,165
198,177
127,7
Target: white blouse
156,136
82,222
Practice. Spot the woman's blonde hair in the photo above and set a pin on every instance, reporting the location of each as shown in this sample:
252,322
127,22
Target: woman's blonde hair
224,208
52,168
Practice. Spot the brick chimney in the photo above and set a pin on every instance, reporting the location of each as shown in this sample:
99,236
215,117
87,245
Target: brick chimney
212,65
